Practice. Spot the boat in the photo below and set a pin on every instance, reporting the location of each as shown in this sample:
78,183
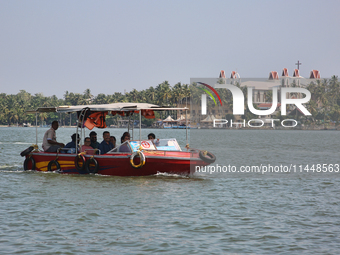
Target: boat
143,157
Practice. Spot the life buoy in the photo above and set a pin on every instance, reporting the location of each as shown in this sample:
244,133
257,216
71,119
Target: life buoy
207,156
51,163
92,161
141,161
25,152
26,162
76,162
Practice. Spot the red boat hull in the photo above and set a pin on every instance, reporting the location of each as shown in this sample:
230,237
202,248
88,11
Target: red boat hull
117,164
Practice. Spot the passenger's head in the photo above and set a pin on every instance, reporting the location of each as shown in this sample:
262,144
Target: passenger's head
113,140
151,136
125,137
74,136
55,124
106,136
93,136
87,141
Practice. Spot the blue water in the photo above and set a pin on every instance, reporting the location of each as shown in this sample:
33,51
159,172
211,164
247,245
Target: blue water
207,213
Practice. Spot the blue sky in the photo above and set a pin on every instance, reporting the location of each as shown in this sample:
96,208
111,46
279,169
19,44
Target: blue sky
51,47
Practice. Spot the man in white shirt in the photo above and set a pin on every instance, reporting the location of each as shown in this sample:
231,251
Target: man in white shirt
50,143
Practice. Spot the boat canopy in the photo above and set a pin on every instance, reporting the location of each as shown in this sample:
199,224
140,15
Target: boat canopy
106,107
99,111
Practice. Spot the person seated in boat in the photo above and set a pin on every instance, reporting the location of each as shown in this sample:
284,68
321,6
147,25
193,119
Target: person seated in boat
113,140
93,137
86,147
71,146
50,143
105,146
124,147
152,137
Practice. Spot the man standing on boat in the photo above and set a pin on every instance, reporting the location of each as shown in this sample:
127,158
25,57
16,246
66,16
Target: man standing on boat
105,146
94,143
50,143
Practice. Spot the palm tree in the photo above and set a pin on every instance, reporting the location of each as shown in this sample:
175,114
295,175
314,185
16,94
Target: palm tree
177,93
186,93
134,96
163,93
151,93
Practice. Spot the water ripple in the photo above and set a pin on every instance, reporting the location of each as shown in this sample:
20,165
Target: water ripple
49,213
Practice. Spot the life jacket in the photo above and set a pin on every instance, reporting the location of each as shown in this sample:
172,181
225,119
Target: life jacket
148,114
96,119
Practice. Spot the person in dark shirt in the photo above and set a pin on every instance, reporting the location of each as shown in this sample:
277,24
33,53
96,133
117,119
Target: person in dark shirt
105,146
94,143
72,145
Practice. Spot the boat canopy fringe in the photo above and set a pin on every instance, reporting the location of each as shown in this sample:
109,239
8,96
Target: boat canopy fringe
115,107
148,114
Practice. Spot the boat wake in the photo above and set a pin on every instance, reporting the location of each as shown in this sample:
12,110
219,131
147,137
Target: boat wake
14,167
15,143
171,175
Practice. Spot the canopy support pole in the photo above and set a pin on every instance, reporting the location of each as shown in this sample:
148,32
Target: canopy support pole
133,123
36,128
78,131
80,120
140,125
186,125
129,123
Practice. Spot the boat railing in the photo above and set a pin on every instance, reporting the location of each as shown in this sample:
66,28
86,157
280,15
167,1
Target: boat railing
73,151
92,151
67,150
123,148
170,144
156,144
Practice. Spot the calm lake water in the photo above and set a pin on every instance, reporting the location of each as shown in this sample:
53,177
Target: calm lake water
208,213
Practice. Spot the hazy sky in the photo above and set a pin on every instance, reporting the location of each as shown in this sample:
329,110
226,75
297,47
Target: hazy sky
51,47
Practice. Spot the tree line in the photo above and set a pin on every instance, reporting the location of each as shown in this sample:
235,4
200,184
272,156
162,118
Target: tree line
324,104
15,107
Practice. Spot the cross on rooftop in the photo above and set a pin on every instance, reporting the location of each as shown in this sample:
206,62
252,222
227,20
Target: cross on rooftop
298,64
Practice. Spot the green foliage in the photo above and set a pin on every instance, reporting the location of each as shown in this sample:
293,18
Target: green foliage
14,107
325,103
